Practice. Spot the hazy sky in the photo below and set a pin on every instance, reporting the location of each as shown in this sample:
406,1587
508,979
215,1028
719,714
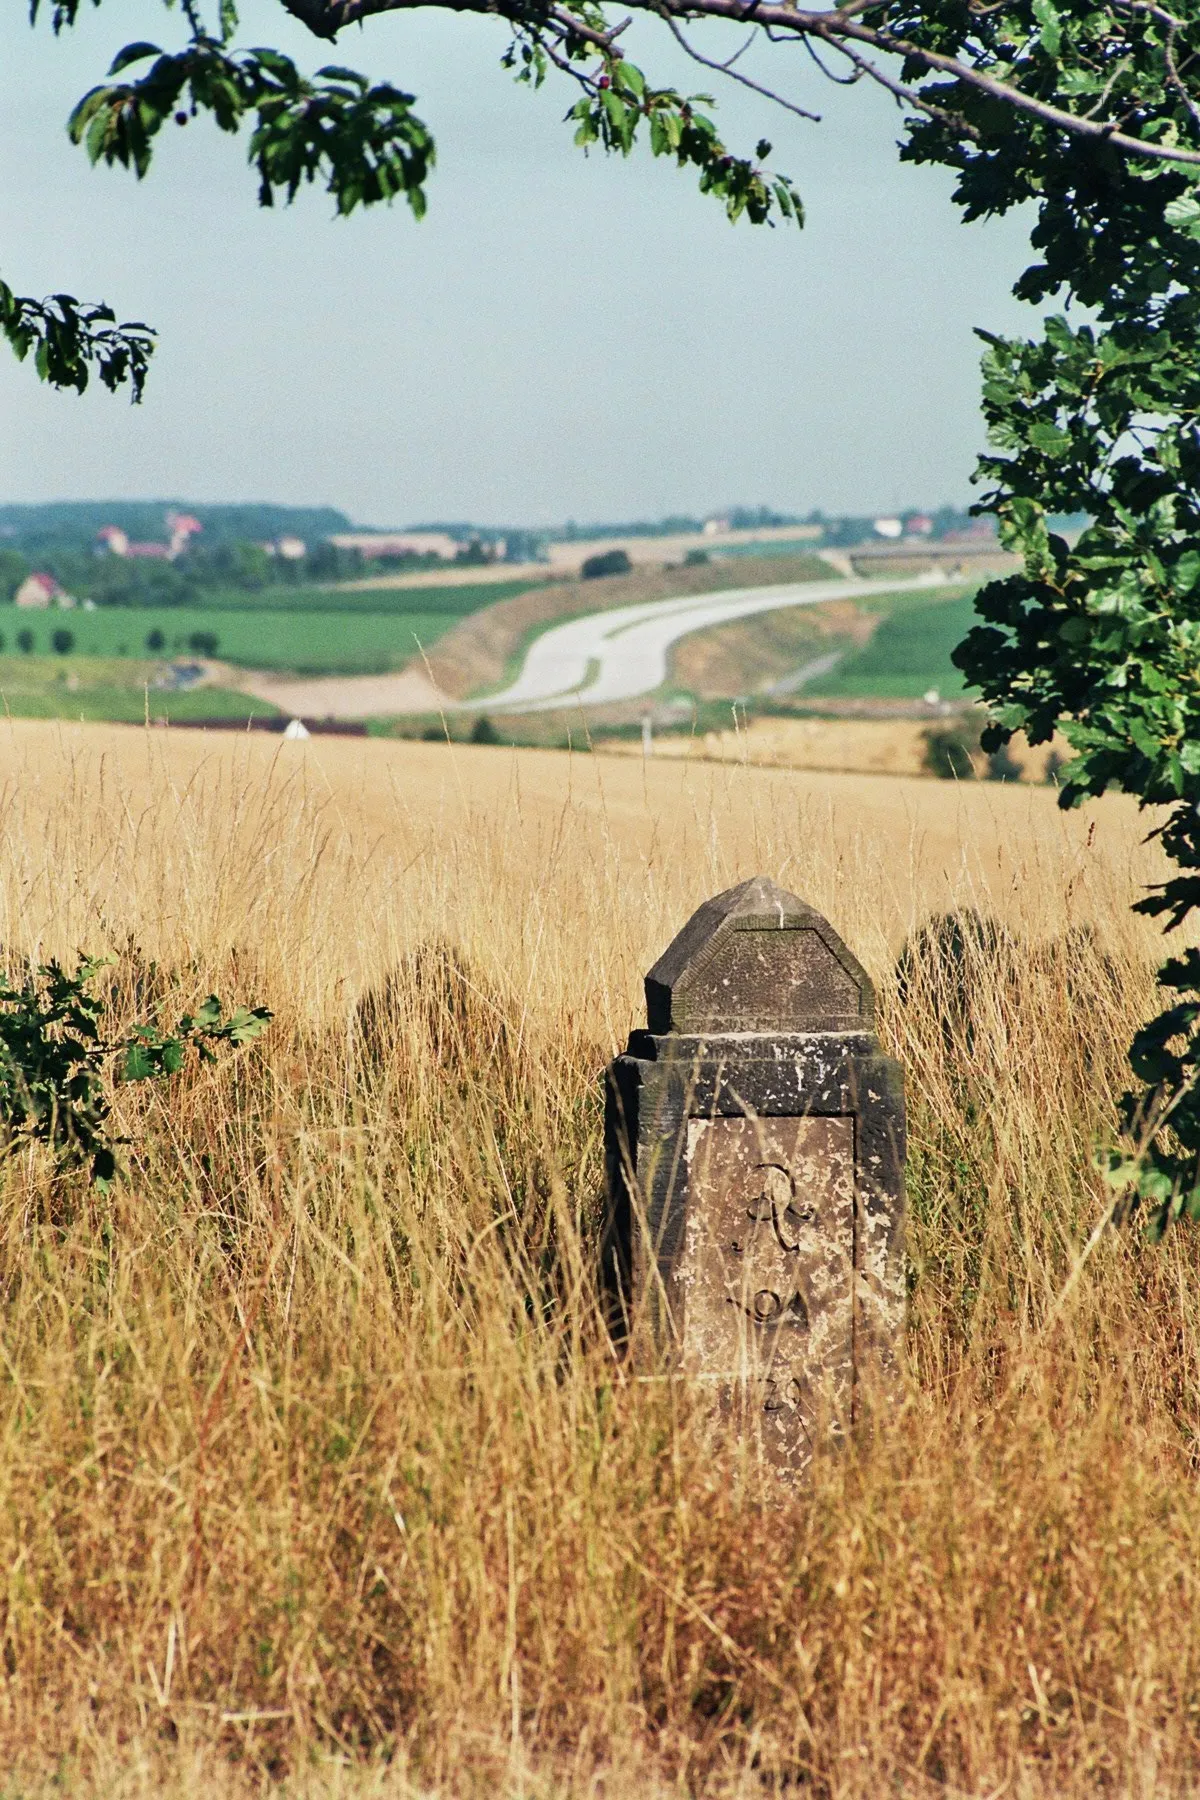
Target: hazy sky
562,336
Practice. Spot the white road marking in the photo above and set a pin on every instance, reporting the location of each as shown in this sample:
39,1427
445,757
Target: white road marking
622,654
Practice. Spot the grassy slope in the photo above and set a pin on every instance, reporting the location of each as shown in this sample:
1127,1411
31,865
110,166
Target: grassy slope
76,687
312,1443
738,658
891,644
908,653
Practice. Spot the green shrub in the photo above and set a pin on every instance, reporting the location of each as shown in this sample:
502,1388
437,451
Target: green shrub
607,562
54,1049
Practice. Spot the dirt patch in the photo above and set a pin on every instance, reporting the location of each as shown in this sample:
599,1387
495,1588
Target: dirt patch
343,696
477,653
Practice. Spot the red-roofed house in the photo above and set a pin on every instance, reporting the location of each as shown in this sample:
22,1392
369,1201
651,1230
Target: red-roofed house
182,528
41,590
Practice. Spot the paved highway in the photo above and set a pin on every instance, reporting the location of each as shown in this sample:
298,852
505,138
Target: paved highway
622,654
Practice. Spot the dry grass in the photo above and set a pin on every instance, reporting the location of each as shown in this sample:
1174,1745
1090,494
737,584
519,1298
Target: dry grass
746,655
847,746
315,1462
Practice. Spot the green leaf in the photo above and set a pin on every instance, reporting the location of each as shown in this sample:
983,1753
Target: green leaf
1184,214
132,53
1047,16
245,1025
139,1064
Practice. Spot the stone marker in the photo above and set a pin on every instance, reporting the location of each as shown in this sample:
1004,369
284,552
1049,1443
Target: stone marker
755,1144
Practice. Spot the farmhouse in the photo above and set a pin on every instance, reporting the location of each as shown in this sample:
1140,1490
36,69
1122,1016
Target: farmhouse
41,590
182,528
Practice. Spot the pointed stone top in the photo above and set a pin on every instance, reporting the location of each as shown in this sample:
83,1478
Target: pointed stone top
757,958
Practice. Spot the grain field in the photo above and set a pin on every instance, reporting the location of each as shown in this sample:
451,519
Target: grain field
317,1467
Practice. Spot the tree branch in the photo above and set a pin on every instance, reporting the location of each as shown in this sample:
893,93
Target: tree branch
727,69
838,28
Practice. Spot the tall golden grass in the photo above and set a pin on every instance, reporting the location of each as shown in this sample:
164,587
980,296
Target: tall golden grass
316,1463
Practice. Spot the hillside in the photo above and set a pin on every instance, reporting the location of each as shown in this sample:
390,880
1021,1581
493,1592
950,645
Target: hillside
59,523
908,652
479,653
899,646
747,655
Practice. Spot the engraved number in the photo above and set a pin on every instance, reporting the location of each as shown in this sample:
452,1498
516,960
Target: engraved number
768,1308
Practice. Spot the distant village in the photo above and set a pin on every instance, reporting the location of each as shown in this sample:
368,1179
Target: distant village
948,536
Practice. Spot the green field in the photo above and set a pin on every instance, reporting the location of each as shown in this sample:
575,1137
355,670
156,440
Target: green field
908,654
109,666
344,642
455,602
72,687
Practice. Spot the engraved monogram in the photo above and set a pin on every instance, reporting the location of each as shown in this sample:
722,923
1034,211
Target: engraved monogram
766,1277
776,1205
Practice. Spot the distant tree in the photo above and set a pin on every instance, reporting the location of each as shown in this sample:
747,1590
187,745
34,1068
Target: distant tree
483,731
204,643
13,570
62,641
605,562
238,565
25,641
696,559
119,580
326,562
155,641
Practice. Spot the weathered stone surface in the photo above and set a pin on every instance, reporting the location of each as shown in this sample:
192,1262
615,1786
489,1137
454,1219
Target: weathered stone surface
758,959
755,1138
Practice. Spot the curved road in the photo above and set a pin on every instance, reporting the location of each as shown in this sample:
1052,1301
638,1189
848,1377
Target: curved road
621,654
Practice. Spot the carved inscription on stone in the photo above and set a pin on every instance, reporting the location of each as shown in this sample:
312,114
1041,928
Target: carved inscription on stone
764,1285
754,1136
